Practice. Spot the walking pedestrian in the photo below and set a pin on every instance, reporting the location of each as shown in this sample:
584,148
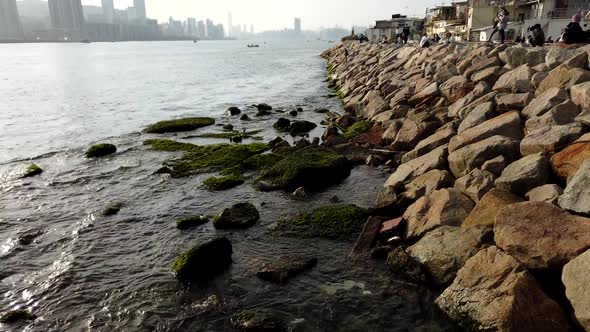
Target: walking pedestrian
500,24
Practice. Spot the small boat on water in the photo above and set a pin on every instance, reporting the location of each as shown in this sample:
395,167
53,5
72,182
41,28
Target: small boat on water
253,45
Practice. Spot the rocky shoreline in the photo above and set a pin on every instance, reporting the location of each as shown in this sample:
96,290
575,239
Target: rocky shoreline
490,160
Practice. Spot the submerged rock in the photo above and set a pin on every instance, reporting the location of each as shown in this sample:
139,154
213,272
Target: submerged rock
15,316
576,279
254,321
401,263
112,209
234,111
191,222
285,268
100,150
332,221
239,216
204,261
223,183
282,124
172,126
301,127
312,168
28,237
494,292
32,170
357,129
264,107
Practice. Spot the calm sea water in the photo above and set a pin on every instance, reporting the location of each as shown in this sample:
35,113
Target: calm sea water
86,272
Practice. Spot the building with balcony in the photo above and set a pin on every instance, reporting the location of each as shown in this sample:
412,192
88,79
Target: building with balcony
386,28
452,19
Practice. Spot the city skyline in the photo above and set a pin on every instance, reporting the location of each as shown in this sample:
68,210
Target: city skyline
278,15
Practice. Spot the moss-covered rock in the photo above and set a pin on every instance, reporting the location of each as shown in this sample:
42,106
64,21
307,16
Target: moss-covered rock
332,221
172,126
223,183
255,321
313,168
284,268
15,316
282,124
229,135
239,216
357,129
191,222
402,264
101,150
206,158
203,261
32,170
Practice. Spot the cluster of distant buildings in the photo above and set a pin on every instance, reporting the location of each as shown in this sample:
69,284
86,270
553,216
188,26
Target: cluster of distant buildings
473,20
69,20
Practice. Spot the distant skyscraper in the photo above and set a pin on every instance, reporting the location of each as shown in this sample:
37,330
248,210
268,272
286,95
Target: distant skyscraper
297,25
66,14
140,9
201,30
10,25
108,11
230,24
191,26
252,28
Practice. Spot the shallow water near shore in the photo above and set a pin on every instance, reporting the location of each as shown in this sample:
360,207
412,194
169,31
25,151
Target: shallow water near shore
84,271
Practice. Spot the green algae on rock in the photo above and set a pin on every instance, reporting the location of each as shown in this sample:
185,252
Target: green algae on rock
101,150
313,168
191,222
16,316
223,183
172,126
357,129
32,170
203,261
331,221
206,158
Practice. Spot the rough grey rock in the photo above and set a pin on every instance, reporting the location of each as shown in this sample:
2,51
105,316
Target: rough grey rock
475,184
485,211
548,193
525,174
494,292
241,215
543,103
561,114
445,250
495,166
412,132
576,196
427,183
563,78
454,88
513,101
480,114
541,235
550,139
576,279
581,95
473,156
488,75
435,140
507,125
442,207
401,263
516,81
407,172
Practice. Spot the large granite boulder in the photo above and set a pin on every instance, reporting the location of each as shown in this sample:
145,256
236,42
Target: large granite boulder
475,184
548,193
550,139
516,81
494,292
491,62
481,89
524,174
541,235
485,211
436,159
473,156
442,207
545,102
427,183
562,114
480,114
581,95
455,88
507,125
445,250
558,55
413,131
566,163
430,143
576,279
576,196
426,95
563,78
513,101
489,75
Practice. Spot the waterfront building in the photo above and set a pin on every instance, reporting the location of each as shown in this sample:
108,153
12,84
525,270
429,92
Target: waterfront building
66,15
297,25
386,28
10,24
108,11
140,11
451,18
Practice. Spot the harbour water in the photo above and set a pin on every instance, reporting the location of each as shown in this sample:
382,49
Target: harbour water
86,272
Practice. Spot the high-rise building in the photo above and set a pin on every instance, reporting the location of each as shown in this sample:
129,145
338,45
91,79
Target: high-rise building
108,11
10,25
297,25
252,28
191,24
201,30
230,24
140,9
66,14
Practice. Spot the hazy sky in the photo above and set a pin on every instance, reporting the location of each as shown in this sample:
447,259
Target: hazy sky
279,14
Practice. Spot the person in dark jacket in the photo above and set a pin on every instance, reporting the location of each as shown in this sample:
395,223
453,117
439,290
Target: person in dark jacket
573,32
405,34
538,35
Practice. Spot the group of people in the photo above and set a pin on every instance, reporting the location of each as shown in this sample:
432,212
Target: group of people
427,41
402,34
